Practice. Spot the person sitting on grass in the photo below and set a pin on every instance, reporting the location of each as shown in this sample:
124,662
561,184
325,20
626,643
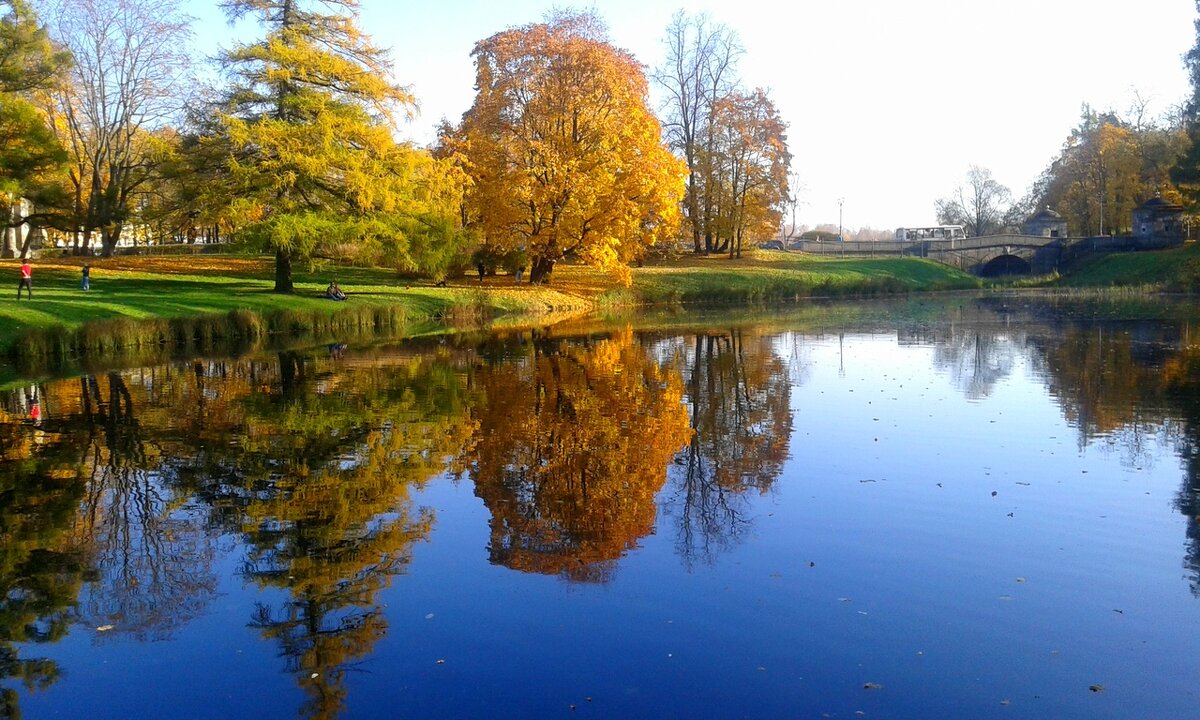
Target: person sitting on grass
333,292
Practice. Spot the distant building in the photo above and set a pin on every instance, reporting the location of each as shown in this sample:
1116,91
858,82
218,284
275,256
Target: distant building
1046,223
1158,219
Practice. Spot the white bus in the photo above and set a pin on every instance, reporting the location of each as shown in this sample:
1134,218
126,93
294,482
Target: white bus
937,232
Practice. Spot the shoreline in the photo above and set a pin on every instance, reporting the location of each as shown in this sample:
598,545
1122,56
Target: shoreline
151,309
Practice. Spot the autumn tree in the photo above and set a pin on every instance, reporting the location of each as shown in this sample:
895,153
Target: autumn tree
1185,172
129,78
747,183
1107,167
311,167
699,72
980,205
564,154
31,157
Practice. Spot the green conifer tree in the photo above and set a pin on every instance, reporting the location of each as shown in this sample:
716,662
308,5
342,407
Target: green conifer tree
308,127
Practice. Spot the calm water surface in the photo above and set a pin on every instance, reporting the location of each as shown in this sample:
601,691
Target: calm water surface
991,512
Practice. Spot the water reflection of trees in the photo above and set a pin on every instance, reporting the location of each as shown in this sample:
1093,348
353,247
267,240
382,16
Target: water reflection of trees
1181,380
571,447
114,490
977,359
1132,384
40,568
321,489
738,395
151,561
128,479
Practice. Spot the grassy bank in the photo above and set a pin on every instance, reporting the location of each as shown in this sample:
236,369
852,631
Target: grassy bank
773,275
1173,270
139,306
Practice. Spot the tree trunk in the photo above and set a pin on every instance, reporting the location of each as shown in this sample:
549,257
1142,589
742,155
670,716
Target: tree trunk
26,242
539,271
693,208
283,271
109,237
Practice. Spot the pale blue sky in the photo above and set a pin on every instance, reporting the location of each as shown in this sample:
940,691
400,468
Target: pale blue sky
888,102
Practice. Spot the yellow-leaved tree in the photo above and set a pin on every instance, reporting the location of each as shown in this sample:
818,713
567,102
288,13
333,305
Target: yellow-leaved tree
564,154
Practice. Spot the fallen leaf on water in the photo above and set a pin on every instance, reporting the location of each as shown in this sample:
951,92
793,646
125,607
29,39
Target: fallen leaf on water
104,628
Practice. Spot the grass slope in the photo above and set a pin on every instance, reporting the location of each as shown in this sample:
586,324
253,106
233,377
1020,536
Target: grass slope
177,287
1174,270
777,275
141,305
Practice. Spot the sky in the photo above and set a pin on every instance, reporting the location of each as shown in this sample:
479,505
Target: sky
888,102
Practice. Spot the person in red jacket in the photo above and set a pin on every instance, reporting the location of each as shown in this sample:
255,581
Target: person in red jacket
26,280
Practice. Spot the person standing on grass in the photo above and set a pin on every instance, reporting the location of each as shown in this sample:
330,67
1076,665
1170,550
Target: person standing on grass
87,277
26,280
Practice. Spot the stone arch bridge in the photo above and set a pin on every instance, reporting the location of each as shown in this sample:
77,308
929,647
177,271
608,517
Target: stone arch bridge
987,255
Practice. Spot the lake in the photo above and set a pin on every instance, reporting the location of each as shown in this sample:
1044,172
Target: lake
964,507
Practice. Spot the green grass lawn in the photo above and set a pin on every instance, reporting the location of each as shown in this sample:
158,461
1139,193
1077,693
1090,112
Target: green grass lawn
776,275
145,288
186,286
1176,269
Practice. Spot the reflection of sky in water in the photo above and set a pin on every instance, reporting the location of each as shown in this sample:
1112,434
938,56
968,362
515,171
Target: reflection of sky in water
939,529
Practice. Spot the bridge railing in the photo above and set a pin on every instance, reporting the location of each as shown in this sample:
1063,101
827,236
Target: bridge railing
919,248
854,247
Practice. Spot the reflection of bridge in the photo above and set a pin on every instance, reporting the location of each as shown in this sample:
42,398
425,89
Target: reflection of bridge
984,255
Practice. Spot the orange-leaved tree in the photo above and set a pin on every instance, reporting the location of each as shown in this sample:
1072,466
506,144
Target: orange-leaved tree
565,156
747,181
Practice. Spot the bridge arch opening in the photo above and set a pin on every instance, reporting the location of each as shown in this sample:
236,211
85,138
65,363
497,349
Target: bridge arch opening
1006,265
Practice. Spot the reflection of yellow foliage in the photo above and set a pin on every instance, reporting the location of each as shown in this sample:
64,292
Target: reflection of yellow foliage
571,449
1101,386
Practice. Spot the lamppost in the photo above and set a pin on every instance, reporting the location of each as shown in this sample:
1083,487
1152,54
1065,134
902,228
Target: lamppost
841,239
